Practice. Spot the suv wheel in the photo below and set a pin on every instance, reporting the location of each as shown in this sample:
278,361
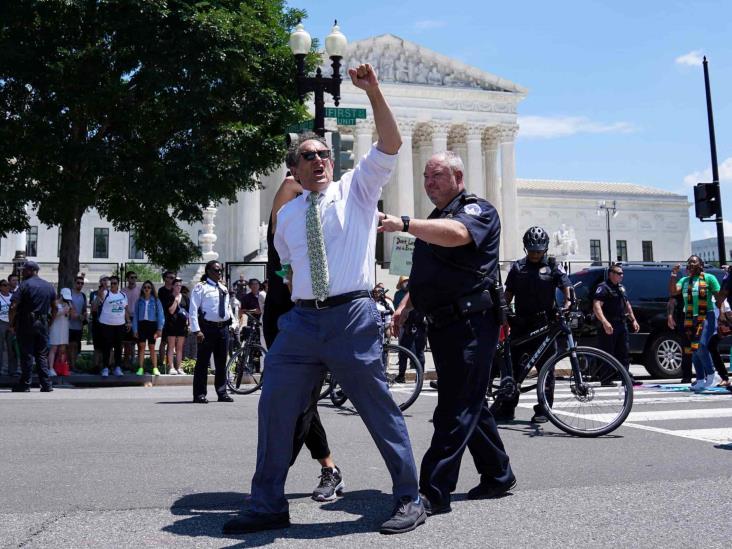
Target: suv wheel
664,356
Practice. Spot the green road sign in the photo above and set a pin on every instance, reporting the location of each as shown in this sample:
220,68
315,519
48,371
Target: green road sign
346,121
332,112
301,126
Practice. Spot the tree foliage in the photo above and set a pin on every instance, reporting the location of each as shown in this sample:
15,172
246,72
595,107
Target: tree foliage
145,110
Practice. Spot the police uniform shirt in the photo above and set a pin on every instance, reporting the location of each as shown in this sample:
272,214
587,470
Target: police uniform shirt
436,282
205,300
612,298
534,285
35,296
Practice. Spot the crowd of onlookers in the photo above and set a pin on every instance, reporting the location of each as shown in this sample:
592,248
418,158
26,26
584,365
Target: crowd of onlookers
124,322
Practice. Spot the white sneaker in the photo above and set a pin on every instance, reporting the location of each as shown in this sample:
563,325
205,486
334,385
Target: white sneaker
52,372
118,371
105,372
713,380
180,372
699,386
172,372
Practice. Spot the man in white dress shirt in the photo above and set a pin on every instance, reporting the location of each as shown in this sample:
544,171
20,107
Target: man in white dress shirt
327,236
210,318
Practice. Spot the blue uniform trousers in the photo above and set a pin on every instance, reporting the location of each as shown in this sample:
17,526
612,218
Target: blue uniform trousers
463,353
346,340
33,343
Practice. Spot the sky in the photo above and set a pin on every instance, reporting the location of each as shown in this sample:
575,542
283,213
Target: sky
616,87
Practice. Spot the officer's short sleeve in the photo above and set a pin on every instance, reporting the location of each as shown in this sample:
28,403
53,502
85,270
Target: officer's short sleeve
481,220
601,293
561,279
511,278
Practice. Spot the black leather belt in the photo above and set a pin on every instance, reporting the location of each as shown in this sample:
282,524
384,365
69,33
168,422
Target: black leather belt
464,306
332,301
220,324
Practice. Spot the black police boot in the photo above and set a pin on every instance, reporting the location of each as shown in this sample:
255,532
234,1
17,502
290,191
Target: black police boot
434,508
490,491
539,415
251,521
502,411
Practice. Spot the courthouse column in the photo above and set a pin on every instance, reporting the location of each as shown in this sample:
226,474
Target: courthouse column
364,137
439,136
474,178
492,179
405,170
509,192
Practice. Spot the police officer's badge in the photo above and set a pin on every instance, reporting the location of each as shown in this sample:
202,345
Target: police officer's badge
544,270
472,209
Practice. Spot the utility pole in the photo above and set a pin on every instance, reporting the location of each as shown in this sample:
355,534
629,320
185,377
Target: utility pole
721,248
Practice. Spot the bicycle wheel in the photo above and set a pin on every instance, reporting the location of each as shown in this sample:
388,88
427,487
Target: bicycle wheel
593,406
403,392
337,395
245,369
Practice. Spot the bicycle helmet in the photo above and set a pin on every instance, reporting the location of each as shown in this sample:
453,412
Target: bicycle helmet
536,239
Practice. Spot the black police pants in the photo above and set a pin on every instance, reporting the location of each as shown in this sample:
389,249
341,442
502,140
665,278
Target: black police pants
111,338
33,344
215,342
617,344
309,429
463,353
413,338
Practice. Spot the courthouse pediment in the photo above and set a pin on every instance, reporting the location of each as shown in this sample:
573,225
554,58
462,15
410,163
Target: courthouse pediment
401,61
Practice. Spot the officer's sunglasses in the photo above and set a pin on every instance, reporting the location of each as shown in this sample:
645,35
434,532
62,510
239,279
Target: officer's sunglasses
310,155
619,273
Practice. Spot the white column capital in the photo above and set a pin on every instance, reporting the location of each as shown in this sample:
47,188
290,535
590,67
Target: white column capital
507,133
474,132
407,126
491,138
440,129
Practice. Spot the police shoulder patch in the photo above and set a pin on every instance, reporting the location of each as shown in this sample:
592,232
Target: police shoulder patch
472,209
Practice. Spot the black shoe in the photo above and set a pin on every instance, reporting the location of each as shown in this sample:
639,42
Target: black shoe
225,398
635,382
20,389
502,413
200,399
433,384
539,417
399,379
434,509
490,491
46,389
251,521
331,485
406,517
685,380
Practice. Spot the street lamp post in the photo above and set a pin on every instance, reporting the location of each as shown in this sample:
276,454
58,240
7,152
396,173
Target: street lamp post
335,45
610,209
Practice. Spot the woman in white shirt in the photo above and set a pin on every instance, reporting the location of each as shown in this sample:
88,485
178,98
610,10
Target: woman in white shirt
114,319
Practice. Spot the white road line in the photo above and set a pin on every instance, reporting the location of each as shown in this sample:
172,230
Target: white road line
558,403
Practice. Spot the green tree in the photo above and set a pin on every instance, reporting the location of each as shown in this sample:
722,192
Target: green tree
144,110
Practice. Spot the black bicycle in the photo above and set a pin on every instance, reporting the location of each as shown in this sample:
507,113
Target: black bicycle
584,391
245,368
404,390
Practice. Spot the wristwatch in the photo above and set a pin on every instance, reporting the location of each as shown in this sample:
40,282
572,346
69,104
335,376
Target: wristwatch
405,220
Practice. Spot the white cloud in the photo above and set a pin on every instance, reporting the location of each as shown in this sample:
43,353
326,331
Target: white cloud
692,59
705,176
549,127
428,24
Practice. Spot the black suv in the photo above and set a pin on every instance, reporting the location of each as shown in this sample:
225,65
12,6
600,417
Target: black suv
655,346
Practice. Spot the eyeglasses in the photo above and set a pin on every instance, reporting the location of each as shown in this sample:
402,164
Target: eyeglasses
147,287
216,270
619,273
310,155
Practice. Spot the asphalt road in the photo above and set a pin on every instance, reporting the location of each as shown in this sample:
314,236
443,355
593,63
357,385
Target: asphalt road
131,467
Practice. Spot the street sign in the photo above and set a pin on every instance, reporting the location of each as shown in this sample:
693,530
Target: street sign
301,126
346,121
333,112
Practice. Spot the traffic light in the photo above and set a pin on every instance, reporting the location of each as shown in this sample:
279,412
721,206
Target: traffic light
705,200
342,153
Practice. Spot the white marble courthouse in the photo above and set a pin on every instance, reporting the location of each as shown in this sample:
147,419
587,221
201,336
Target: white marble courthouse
440,104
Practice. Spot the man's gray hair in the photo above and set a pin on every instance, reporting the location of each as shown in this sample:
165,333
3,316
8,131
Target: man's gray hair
293,151
452,159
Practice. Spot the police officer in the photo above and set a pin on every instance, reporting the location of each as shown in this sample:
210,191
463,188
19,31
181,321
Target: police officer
454,269
532,281
29,314
210,318
611,306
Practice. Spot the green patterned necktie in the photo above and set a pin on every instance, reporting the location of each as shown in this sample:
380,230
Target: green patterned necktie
316,248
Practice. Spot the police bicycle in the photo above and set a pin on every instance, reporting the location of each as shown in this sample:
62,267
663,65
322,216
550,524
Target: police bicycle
245,368
404,393
584,391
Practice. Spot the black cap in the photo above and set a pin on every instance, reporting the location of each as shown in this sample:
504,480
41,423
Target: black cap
32,265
